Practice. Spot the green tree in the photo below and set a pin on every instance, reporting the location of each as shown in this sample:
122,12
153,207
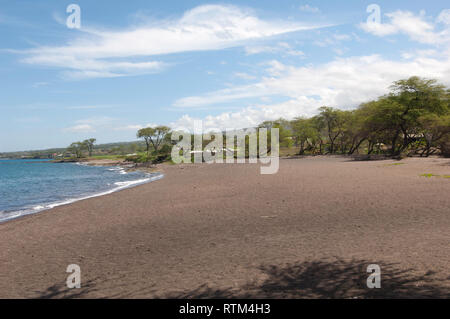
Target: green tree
284,132
414,116
413,99
434,129
333,121
154,136
89,144
77,148
304,133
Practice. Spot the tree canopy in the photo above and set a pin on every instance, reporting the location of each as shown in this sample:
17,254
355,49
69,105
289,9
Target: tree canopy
154,136
413,117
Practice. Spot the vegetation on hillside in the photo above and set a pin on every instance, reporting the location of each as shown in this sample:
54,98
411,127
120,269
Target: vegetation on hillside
106,151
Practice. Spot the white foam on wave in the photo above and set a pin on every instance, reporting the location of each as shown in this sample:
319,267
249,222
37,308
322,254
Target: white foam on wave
82,164
120,170
5,216
129,183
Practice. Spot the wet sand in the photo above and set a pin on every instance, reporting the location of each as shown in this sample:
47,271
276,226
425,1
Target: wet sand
219,231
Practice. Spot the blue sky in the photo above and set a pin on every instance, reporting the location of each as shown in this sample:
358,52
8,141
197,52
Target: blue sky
230,64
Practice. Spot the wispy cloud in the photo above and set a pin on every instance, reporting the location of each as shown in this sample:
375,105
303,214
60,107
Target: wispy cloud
39,84
223,96
333,39
133,127
103,123
98,53
80,128
89,107
308,8
90,125
245,76
283,48
444,17
418,27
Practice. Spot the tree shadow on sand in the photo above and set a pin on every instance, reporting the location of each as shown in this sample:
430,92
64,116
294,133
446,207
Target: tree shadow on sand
60,291
114,287
310,279
324,279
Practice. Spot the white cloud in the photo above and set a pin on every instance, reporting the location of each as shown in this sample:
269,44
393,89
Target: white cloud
130,127
415,26
90,125
339,51
283,48
249,116
444,17
98,53
342,37
222,96
133,127
98,120
90,107
244,76
80,128
257,49
428,53
103,124
333,40
310,9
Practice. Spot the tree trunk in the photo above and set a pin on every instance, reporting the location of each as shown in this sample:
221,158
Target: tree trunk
331,146
302,148
148,148
370,148
394,141
354,148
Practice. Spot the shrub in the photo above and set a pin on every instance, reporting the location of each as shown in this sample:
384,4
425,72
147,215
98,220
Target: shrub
445,146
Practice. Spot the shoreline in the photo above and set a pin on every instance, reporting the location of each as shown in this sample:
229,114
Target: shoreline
94,162
127,166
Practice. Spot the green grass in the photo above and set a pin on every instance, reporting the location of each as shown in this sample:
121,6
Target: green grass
434,175
395,164
107,157
429,175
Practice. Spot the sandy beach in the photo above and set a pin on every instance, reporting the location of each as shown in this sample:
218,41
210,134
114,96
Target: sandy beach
214,231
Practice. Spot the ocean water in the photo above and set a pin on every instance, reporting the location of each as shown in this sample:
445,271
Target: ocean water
31,186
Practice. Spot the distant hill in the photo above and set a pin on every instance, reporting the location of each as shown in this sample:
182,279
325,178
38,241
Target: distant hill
119,148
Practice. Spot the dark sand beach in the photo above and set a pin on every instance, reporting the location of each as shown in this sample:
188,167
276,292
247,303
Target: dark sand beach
212,231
